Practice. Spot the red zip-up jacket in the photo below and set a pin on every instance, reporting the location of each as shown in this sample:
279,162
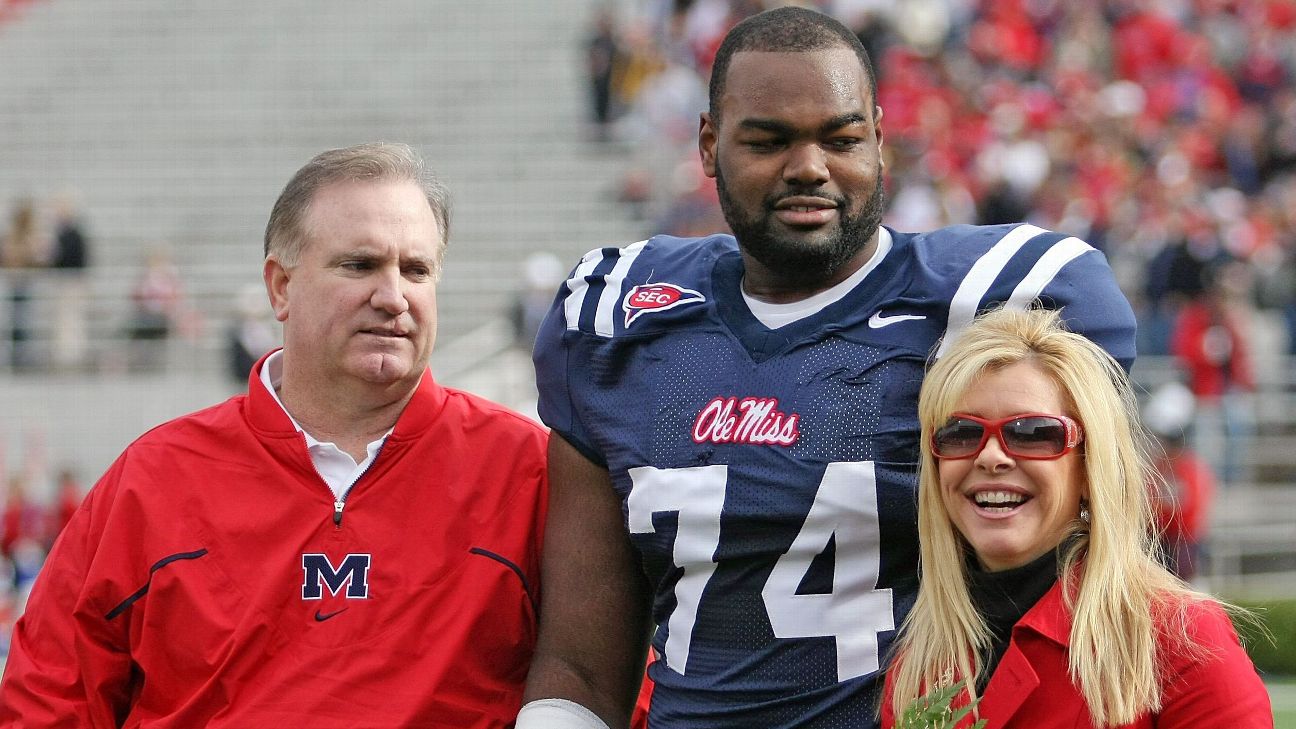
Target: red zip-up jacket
209,579
1032,689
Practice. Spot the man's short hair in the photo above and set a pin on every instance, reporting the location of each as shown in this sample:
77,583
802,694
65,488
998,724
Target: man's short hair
788,29
376,162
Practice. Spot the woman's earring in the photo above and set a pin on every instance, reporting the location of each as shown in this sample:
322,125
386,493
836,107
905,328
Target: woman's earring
1084,512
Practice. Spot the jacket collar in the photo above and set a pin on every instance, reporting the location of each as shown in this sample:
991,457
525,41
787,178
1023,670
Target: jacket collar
265,414
1015,679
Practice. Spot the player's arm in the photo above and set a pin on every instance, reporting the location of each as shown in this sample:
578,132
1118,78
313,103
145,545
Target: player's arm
67,664
594,604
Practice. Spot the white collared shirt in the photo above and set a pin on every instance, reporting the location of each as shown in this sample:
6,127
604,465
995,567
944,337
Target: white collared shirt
774,316
338,469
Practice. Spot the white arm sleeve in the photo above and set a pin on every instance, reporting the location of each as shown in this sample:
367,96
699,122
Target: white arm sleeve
557,714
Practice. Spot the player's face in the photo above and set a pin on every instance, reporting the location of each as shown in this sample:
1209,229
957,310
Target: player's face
361,301
1012,510
796,154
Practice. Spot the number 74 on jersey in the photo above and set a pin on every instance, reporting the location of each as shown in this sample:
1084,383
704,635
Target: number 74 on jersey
853,614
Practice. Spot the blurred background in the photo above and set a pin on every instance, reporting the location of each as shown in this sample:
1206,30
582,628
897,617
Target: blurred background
142,143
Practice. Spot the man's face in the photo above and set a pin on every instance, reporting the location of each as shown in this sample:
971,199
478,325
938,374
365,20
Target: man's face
796,154
360,304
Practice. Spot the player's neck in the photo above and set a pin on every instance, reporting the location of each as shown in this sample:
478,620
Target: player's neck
779,287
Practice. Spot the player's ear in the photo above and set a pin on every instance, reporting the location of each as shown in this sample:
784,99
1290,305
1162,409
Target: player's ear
707,144
276,277
877,130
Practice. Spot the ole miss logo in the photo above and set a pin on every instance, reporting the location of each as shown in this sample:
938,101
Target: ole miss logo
353,575
647,298
754,420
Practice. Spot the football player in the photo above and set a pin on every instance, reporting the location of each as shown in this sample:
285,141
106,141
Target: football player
736,415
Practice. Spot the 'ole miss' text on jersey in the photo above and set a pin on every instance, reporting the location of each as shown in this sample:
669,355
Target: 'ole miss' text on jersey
768,476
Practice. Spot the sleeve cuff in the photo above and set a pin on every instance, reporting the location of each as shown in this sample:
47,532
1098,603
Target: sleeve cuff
557,714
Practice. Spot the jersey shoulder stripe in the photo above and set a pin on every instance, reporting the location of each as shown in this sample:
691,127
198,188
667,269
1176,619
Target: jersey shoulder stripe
598,278
1045,269
593,293
977,281
970,295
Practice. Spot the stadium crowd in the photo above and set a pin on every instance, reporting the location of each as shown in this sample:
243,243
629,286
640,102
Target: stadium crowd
1161,131
29,523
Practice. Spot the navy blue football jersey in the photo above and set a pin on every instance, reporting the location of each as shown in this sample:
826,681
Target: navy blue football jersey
768,476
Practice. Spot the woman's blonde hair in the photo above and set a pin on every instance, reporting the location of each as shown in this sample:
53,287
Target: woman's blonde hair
1120,596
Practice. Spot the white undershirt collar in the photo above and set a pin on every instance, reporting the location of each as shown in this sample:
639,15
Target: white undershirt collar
774,316
338,469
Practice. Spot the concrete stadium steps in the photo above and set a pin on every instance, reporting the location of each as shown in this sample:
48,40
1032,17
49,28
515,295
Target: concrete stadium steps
179,122
1251,551
85,423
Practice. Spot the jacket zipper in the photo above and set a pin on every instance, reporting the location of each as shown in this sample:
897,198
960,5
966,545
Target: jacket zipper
340,503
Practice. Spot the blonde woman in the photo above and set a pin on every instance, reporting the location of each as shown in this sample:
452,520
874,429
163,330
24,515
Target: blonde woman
1039,579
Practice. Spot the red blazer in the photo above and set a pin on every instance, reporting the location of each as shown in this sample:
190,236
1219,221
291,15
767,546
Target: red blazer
1031,689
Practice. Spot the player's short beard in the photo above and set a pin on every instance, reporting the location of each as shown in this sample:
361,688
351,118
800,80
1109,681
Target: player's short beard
799,261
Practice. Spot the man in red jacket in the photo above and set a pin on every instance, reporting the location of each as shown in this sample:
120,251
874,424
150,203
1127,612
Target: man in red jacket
348,544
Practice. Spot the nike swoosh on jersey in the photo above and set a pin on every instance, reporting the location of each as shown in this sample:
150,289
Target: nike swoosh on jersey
877,321
321,617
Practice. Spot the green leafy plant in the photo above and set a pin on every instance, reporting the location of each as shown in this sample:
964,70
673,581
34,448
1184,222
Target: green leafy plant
1267,637
933,710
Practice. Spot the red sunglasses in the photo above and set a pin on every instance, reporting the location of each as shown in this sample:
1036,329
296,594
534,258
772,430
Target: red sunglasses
1033,436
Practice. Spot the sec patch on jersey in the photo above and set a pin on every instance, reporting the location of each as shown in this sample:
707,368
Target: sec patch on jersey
648,298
